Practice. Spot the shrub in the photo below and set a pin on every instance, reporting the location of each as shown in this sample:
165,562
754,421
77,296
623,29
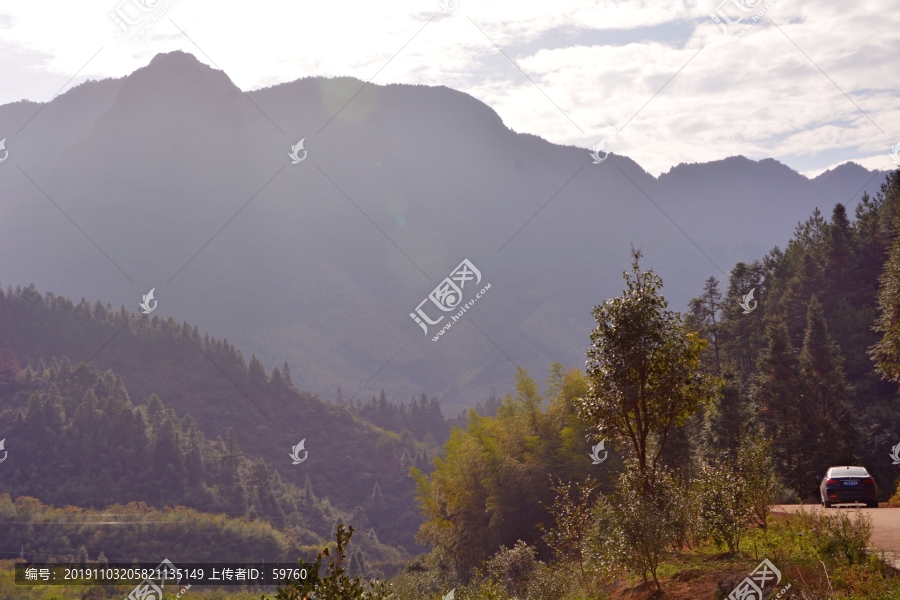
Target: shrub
725,509
514,568
842,538
634,529
895,499
761,484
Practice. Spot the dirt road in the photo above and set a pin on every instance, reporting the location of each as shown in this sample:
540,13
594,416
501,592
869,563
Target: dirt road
885,524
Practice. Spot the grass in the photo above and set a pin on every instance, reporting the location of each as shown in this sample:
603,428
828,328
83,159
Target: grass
822,555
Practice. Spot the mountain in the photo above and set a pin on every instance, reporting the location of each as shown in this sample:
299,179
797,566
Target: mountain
173,178
170,417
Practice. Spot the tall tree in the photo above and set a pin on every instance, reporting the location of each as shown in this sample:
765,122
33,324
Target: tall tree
776,392
702,316
833,430
644,369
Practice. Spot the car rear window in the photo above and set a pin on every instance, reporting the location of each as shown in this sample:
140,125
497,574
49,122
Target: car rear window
849,472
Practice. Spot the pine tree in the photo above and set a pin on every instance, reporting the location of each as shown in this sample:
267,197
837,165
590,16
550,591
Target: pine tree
286,373
308,492
257,372
831,429
702,316
776,393
9,363
886,352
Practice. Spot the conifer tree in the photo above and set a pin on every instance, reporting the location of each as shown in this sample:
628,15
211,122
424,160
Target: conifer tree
886,352
831,427
776,393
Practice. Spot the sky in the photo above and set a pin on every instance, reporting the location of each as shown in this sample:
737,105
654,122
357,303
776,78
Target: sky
812,84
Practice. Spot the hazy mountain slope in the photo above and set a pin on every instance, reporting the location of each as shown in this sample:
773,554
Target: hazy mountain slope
211,381
154,166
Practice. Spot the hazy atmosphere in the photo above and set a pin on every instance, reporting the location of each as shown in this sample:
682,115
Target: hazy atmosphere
543,300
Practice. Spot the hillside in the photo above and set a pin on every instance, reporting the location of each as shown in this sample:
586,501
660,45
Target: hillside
202,406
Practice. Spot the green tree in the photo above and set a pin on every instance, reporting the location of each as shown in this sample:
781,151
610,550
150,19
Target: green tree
886,352
487,489
776,393
832,430
644,370
702,317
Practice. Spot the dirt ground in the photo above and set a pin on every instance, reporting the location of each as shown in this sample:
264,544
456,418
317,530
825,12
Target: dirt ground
885,523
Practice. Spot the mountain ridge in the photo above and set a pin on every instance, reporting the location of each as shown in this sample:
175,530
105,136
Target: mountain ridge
182,180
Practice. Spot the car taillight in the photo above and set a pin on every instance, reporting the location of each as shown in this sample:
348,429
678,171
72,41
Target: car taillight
832,482
868,481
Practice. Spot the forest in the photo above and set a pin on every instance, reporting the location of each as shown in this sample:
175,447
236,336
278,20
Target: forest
710,417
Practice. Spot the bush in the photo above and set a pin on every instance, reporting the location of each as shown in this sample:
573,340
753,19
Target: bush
514,568
894,502
841,538
550,583
634,530
756,468
725,509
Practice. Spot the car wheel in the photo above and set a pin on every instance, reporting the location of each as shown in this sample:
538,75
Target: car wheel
873,504
826,504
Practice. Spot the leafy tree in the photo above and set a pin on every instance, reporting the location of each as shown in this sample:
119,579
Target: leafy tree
487,489
571,512
634,529
725,509
643,368
757,470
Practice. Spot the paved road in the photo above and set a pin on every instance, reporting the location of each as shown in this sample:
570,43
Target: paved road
885,523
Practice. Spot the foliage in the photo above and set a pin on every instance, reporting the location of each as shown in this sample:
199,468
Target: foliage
800,364
725,510
514,568
46,533
886,351
757,470
195,374
336,584
422,417
643,367
571,512
88,445
636,527
487,489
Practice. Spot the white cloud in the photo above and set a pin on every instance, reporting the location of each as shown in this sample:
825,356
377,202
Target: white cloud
758,96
